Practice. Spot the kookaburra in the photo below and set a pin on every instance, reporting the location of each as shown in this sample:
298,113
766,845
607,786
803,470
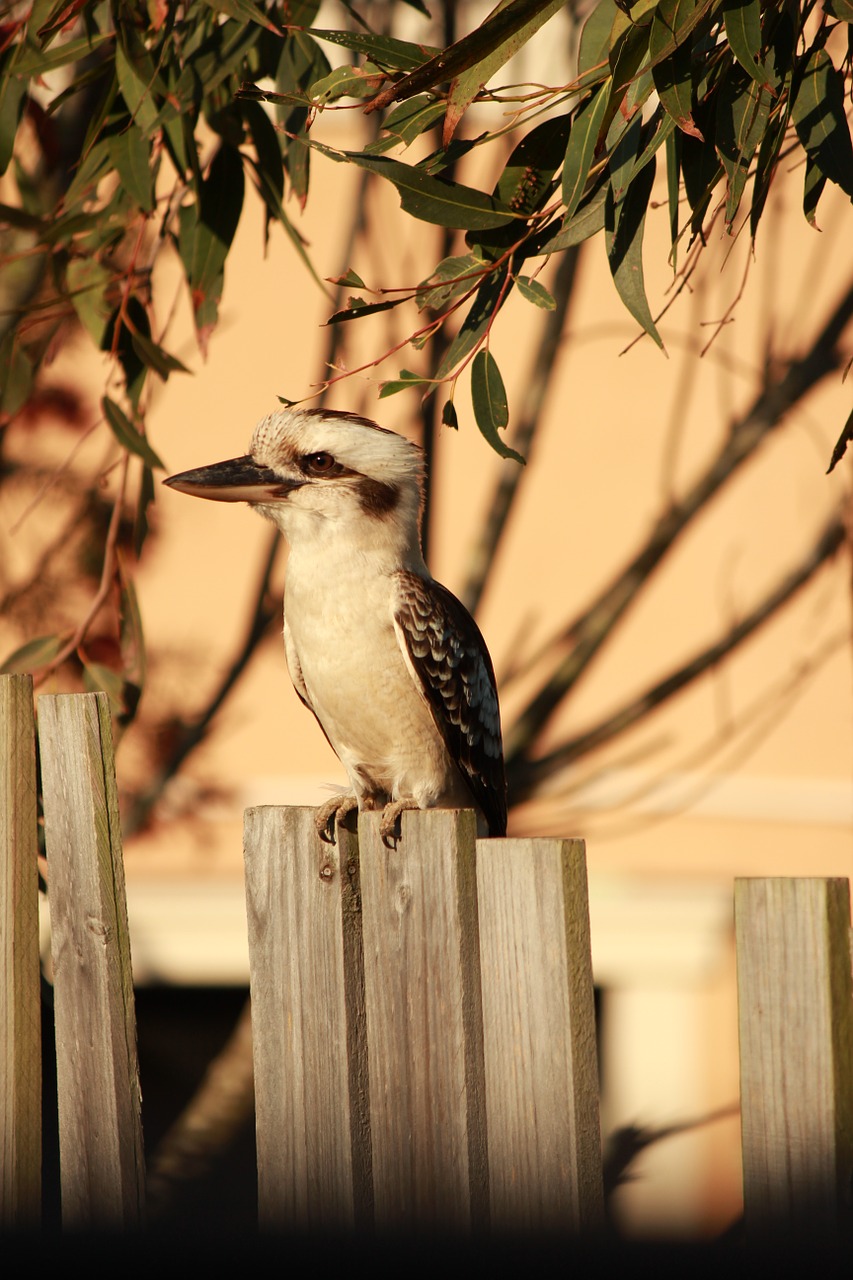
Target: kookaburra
392,665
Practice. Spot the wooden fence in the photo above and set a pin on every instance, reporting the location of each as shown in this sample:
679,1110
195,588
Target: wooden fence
423,1021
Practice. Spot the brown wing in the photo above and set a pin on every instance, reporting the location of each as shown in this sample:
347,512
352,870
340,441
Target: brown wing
452,663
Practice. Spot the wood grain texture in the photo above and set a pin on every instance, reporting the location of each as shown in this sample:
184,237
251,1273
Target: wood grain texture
796,1048
100,1134
20,1007
424,1023
540,1044
303,909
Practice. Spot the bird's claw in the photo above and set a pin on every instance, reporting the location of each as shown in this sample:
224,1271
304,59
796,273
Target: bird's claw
330,814
389,827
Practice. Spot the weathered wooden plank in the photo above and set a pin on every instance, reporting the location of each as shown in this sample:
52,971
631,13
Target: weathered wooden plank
307,996
20,1010
540,1043
424,1022
796,1049
100,1134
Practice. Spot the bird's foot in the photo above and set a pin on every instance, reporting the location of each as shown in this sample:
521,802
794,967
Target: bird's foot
389,827
331,813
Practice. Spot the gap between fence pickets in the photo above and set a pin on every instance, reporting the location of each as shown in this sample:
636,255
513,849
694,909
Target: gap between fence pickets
394,1084
795,1009
20,1023
102,1170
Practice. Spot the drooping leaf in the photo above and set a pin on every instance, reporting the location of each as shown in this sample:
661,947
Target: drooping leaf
244,11
156,357
451,278
16,375
580,148
31,656
207,229
130,154
88,283
488,397
467,84
625,216
841,444
431,199
12,97
467,52
347,82
448,416
586,221
404,382
594,43
673,79
679,18
742,112
407,122
402,55
490,295
813,186
819,118
357,307
127,435
350,280
743,30
535,292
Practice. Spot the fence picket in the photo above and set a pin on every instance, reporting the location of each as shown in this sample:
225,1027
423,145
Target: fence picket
795,1001
307,1022
100,1133
20,1006
424,1022
540,1046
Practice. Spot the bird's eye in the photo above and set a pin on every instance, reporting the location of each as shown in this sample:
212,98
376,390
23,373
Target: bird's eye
319,464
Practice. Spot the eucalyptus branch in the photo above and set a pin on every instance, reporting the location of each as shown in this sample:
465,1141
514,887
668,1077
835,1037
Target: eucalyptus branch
536,387
585,636
529,774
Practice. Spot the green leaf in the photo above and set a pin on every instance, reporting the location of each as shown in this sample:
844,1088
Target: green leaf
243,11
488,397
346,82
206,231
474,327
17,375
407,122
743,30
841,444
31,656
88,283
349,280
127,435
156,357
580,149
679,18
820,120
130,154
673,79
452,277
448,416
625,216
742,113
404,382
587,221
467,84
594,45
430,199
13,91
535,292
813,185
136,92
357,307
401,55
471,50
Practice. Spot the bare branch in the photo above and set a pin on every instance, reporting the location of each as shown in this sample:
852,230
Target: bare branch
529,774
587,633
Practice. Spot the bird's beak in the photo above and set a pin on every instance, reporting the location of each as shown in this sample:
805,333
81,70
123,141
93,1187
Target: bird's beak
237,480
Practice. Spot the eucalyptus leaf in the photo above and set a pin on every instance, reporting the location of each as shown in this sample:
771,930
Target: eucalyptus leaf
488,397
127,435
